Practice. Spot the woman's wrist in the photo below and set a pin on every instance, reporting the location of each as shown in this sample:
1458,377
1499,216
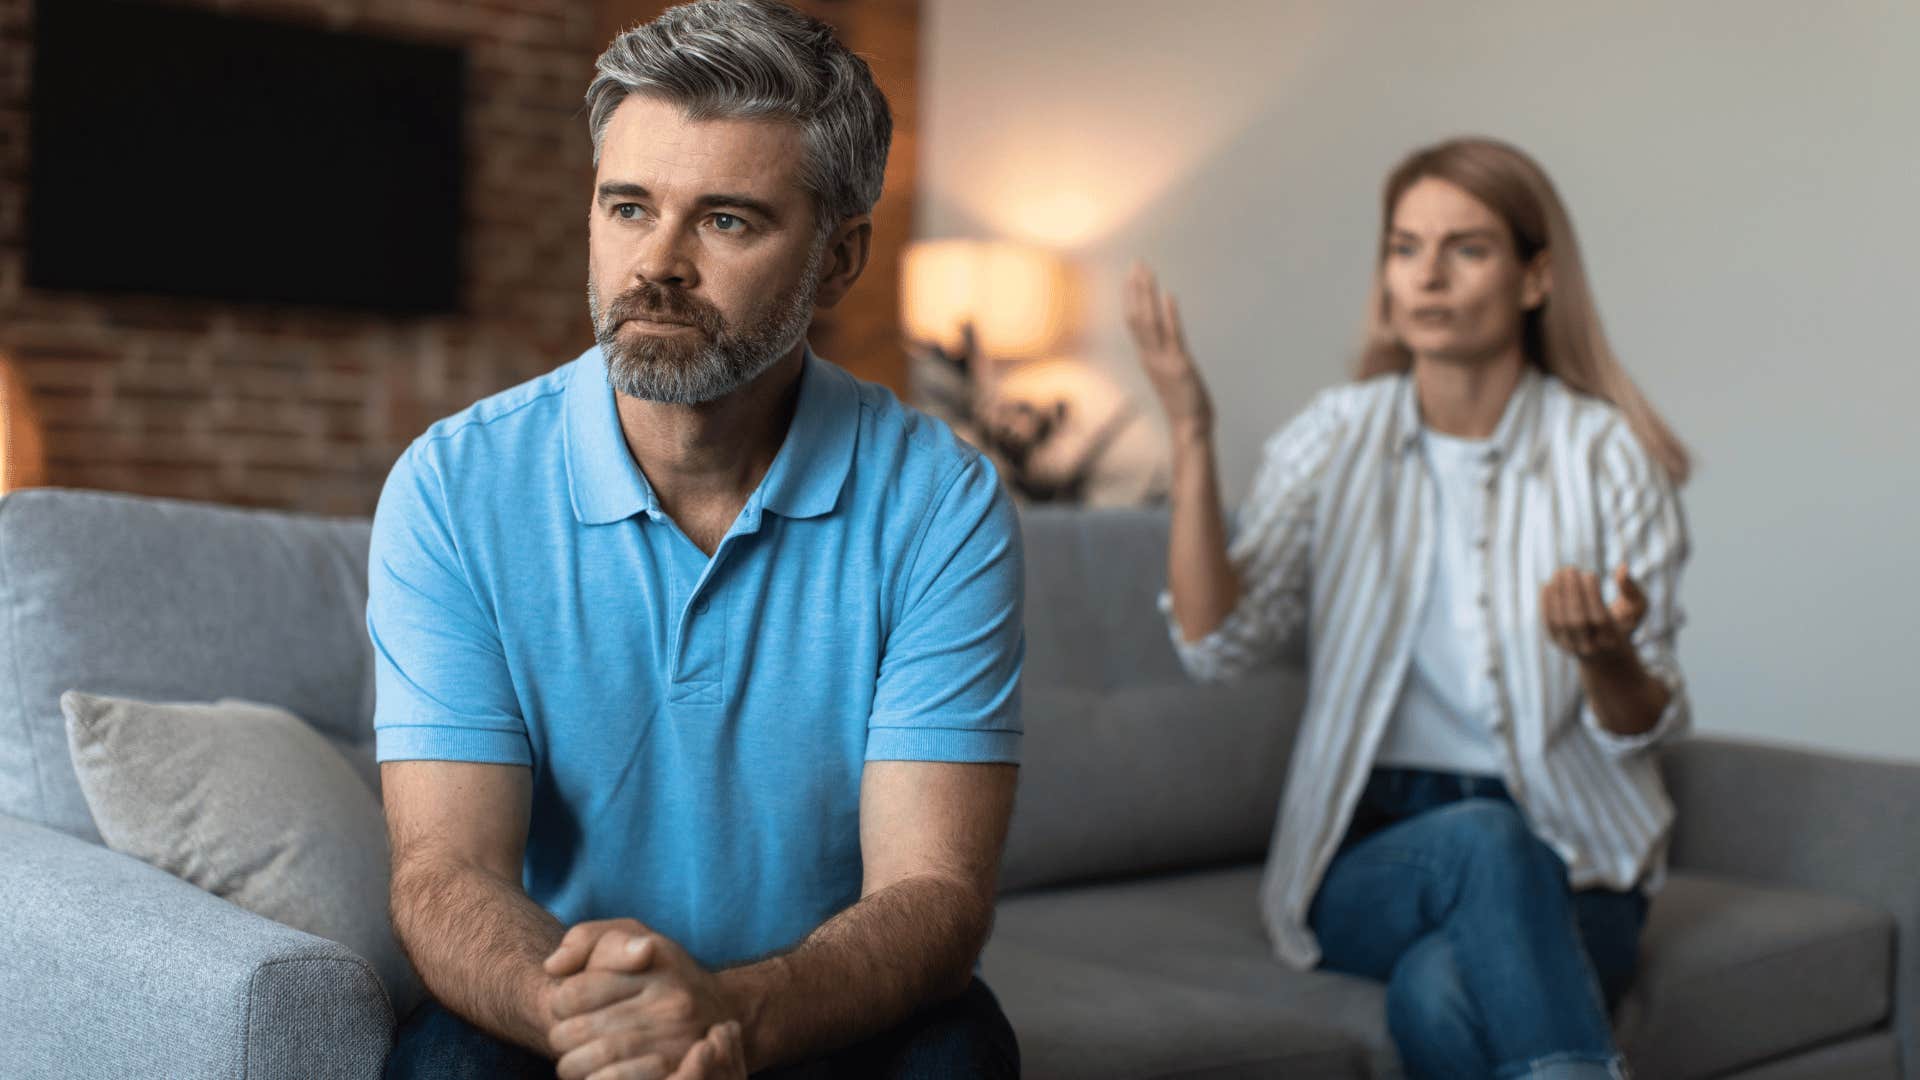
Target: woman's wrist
1620,666
1191,434
1626,697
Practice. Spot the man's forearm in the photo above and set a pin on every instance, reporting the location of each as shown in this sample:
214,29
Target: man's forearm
477,942
863,971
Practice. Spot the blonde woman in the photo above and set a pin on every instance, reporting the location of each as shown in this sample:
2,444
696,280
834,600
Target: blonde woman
1479,541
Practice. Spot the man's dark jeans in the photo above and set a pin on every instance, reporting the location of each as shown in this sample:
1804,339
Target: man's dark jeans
966,1037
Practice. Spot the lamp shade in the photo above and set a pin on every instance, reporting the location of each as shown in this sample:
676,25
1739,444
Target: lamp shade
1016,296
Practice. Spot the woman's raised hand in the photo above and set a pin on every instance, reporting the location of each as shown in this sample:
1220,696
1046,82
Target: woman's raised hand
1153,318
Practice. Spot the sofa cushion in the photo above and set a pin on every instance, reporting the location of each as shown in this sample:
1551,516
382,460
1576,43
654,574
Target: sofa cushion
1809,820
1173,976
1092,579
1866,1057
1128,766
1734,973
1078,1017
1147,779
248,803
164,600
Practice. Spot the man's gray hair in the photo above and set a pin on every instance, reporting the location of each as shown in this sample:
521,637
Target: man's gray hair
758,60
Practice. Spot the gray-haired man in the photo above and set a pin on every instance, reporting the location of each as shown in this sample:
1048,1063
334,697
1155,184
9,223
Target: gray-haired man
697,659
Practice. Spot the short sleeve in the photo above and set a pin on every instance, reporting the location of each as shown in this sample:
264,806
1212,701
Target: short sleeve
442,689
1643,526
949,679
1271,551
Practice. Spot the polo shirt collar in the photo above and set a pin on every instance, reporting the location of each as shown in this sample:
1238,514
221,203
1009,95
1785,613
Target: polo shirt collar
1517,434
807,475
804,480
605,482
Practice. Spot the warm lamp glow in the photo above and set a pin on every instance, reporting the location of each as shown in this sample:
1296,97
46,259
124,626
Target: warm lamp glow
19,440
1017,297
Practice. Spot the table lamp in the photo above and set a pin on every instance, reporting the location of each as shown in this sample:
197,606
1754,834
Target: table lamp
1015,298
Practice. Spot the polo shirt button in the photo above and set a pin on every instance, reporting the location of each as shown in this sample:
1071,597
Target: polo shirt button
700,606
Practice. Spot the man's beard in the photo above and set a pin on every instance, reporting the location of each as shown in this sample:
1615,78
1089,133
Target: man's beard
677,371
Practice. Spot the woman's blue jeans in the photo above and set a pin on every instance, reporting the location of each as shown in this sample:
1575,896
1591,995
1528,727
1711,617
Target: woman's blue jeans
1494,966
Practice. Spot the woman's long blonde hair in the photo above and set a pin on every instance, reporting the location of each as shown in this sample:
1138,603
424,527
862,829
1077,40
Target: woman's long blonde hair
1561,336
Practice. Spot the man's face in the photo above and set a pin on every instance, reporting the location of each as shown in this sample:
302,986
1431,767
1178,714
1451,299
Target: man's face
703,254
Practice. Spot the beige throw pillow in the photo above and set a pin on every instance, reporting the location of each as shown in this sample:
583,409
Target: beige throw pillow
249,803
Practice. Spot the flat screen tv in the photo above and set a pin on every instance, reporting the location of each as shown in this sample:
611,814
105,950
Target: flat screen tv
185,152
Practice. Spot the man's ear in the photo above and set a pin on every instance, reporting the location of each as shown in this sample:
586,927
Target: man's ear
845,258
1536,284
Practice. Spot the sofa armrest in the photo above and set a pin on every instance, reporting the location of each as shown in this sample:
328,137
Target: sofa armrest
111,968
1812,820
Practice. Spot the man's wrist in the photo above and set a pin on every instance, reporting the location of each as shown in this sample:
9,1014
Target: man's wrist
538,1009
751,992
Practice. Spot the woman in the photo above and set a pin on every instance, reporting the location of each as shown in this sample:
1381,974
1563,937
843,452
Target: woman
1479,542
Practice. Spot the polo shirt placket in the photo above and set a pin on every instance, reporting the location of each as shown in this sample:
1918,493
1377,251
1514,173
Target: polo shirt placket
697,677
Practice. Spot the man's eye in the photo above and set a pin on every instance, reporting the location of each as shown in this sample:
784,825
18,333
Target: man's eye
728,223
627,210
1473,251
1404,251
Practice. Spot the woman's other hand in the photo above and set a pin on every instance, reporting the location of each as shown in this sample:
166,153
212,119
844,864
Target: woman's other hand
1580,622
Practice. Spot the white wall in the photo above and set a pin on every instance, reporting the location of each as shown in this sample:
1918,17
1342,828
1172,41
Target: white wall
1744,176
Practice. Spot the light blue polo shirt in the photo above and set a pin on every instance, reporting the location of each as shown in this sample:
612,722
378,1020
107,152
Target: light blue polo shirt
696,728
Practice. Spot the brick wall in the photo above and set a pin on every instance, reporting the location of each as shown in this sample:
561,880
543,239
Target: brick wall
306,409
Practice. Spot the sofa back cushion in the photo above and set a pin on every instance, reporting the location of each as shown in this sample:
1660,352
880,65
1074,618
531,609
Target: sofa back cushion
1128,766
164,600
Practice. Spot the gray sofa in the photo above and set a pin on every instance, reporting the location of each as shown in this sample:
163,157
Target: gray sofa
1127,944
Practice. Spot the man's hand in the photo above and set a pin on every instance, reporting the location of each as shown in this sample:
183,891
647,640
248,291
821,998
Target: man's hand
1581,623
719,1056
632,1003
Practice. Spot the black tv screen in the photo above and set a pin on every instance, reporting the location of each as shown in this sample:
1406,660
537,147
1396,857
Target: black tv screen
189,153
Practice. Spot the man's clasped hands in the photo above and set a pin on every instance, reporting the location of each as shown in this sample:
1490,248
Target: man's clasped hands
630,1004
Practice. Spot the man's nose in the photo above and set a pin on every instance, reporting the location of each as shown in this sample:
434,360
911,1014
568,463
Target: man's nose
665,258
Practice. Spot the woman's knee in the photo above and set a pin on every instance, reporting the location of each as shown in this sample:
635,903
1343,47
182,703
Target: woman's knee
1435,1025
1492,837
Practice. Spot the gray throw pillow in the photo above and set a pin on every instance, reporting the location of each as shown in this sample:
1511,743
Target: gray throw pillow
249,803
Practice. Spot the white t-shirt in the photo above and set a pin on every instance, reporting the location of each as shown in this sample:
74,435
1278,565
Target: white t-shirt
1442,719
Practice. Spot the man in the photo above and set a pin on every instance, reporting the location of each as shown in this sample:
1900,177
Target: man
698,659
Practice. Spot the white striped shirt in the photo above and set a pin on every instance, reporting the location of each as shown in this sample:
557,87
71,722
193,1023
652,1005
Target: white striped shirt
1335,552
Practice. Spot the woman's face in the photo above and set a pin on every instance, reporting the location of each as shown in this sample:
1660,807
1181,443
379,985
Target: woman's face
1456,289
